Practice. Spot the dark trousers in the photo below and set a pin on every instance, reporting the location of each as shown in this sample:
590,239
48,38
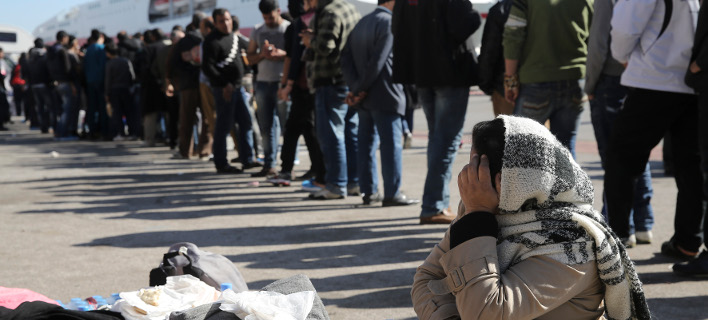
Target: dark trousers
228,112
302,122
18,92
188,103
43,103
646,116
172,120
96,116
4,107
703,146
121,104
29,106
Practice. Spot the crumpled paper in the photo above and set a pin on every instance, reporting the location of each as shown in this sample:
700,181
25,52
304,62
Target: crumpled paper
267,305
179,293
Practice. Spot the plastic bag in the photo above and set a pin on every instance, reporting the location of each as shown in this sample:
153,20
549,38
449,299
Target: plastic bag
267,305
179,293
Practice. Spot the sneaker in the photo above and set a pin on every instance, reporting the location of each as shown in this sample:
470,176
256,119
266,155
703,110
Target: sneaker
372,198
399,200
119,138
281,180
310,186
325,194
178,156
671,249
644,237
695,268
266,172
407,140
228,170
353,191
629,242
206,157
252,164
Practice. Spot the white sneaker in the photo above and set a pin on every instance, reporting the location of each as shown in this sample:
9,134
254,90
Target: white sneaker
630,242
644,237
325,194
353,191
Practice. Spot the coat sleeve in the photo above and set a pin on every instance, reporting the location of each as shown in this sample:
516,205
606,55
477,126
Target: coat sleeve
325,41
629,20
208,61
598,43
383,46
462,20
351,76
515,30
490,52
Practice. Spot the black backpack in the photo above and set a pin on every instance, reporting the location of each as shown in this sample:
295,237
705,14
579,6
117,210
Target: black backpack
185,258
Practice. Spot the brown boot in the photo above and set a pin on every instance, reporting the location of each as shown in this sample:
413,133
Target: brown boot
442,217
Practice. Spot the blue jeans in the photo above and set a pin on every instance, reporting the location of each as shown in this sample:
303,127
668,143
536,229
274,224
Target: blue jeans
68,104
226,113
445,109
268,120
337,127
386,127
609,97
557,101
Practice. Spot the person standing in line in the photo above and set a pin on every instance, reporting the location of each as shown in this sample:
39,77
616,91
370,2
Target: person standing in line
491,58
38,77
185,80
119,79
224,69
336,123
367,61
266,50
426,35
697,78
60,71
5,71
654,41
95,69
606,95
545,50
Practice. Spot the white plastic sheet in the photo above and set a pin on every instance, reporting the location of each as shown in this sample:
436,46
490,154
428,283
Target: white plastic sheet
267,305
179,293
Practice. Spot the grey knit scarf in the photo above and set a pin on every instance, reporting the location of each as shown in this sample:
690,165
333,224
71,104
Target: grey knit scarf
546,209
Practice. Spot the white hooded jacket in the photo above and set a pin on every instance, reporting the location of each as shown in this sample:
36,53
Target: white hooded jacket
655,37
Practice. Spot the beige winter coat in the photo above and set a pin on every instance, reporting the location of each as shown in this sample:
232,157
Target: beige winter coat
536,288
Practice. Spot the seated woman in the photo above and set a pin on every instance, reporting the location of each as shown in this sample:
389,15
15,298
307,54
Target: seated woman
527,243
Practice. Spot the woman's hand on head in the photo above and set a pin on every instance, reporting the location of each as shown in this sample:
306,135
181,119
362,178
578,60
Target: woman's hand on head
475,183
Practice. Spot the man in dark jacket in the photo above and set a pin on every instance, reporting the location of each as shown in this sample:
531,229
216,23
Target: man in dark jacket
39,82
491,58
427,34
367,67
119,78
61,73
698,78
95,69
224,71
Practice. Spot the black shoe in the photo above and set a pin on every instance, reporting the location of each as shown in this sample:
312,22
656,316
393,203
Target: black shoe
399,200
307,176
695,268
228,170
266,172
2,128
670,248
372,198
253,164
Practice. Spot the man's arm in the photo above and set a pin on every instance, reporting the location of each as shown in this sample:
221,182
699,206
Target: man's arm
252,54
629,20
513,42
326,38
349,71
209,61
381,52
598,43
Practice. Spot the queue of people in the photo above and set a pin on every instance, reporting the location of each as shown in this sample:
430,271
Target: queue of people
351,81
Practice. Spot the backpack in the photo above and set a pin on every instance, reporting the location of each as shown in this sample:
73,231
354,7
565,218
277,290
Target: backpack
212,268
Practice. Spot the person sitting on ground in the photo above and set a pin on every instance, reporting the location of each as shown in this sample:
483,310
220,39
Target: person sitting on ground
527,243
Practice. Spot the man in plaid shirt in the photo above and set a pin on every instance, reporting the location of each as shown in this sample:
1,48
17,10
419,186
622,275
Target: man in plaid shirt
336,123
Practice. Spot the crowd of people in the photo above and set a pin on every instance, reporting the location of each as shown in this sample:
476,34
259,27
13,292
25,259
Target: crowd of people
353,82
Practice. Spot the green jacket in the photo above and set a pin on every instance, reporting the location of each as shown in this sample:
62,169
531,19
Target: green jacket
334,20
549,38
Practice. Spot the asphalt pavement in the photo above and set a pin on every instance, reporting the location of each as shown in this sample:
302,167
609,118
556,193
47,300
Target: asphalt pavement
84,218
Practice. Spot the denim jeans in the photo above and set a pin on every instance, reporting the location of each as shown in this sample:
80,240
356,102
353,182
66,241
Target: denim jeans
68,104
557,101
96,115
268,120
43,103
337,127
378,126
226,113
445,109
609,97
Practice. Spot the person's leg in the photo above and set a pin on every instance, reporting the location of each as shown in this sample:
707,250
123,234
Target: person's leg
689,180
639,127
117,128
565,114
366,157
41,107
351,143
224,123
266,98
208,119
445,109
330,113
245,125
390,132
187,117
309,132
642,211
150,125
294,127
